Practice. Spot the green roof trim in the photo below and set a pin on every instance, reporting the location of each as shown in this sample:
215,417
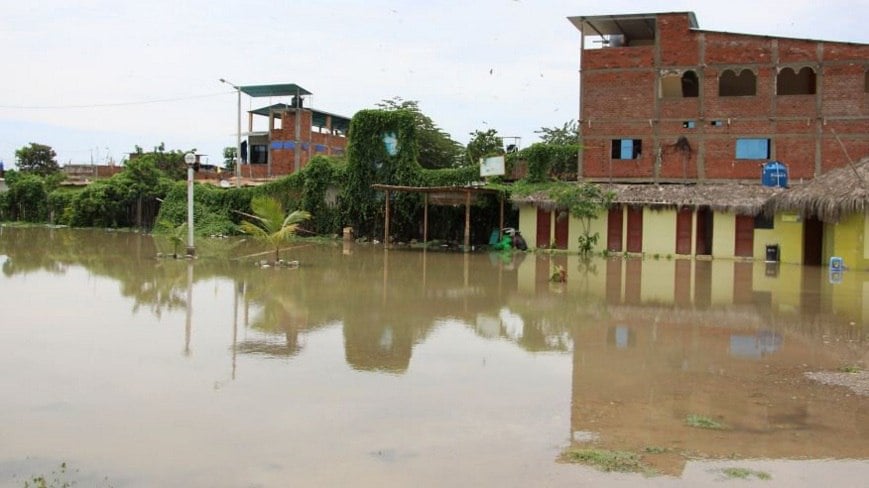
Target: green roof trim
279,90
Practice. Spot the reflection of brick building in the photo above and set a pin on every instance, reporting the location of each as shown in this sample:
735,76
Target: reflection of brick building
293,136
662,99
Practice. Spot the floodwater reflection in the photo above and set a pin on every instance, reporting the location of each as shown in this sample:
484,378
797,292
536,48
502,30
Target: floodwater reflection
397,367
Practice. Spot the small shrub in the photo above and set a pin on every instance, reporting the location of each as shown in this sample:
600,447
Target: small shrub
702,422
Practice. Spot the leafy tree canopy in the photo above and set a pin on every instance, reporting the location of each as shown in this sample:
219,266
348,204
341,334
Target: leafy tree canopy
169,162
567,134
482,144
37,158
229,158
436,148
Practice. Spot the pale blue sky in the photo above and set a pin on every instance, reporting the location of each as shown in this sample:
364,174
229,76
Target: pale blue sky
93,78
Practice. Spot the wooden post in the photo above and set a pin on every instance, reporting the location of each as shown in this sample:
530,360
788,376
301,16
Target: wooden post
386,222
425,221
467,220
501,222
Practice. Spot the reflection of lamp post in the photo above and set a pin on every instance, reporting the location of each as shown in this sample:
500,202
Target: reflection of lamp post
237,134
190,159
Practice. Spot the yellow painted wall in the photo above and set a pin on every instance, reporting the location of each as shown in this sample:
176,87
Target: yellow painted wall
787,232
598,225
659,232
528,224
847,241
723,235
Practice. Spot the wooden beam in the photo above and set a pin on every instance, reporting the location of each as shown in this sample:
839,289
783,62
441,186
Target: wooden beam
467,220
425,220
501,222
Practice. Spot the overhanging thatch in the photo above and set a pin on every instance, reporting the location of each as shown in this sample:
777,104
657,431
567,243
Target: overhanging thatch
737,198
833,194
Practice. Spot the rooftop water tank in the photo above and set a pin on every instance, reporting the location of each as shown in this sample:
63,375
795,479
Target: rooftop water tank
774,173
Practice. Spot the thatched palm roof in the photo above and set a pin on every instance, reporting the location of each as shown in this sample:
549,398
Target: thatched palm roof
732,197
833,194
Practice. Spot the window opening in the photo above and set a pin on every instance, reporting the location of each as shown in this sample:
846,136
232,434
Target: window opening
626,148
731,84
674,85
762,221
690,85
789,82
752,149
688,124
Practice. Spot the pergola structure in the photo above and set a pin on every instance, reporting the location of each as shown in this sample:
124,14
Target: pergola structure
440,195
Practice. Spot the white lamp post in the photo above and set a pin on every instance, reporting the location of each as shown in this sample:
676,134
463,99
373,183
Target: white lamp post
190,159
237,134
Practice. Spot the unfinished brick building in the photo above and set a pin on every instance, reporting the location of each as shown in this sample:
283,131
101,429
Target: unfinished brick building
684,125
294,133
662,100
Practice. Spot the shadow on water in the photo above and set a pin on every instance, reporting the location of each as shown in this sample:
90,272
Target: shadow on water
652,342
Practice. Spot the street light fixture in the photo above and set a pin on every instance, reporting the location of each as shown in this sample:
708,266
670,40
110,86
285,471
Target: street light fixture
237,134
190,160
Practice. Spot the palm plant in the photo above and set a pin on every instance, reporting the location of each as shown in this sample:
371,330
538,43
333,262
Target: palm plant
270,224
175,233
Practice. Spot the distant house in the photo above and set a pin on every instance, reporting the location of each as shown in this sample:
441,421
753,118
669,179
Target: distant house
683,121
293,136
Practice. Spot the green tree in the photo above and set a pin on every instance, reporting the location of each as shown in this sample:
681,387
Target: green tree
482,144
436,148
270,224
169,162
565,135
27,197
584,201
37,158
229,158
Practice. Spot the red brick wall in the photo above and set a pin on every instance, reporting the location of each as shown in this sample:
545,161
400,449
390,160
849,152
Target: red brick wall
619,91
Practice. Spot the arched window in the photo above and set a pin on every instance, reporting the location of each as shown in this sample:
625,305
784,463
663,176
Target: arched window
731,84
690,84
801,82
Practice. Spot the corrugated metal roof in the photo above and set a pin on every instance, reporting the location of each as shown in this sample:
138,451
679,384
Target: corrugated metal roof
279,90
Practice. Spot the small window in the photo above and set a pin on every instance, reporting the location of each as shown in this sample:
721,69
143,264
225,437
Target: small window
627,148
259,154
762,221
717,123
688,124
731,84
277,122
789,82
752,149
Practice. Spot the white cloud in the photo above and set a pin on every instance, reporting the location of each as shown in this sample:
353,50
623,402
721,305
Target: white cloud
351,54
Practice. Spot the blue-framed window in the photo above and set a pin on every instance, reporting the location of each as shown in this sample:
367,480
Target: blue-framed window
752,148
627,148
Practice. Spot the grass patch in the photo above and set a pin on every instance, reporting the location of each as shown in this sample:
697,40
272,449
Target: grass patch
850,369
745,473
606,460
702,422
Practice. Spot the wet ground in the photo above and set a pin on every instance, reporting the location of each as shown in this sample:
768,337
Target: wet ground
366,367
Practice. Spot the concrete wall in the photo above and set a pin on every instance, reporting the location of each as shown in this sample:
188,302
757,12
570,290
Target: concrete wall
787,232
659,232
723,235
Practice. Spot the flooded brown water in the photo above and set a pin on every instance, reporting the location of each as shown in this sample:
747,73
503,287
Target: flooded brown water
366,367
